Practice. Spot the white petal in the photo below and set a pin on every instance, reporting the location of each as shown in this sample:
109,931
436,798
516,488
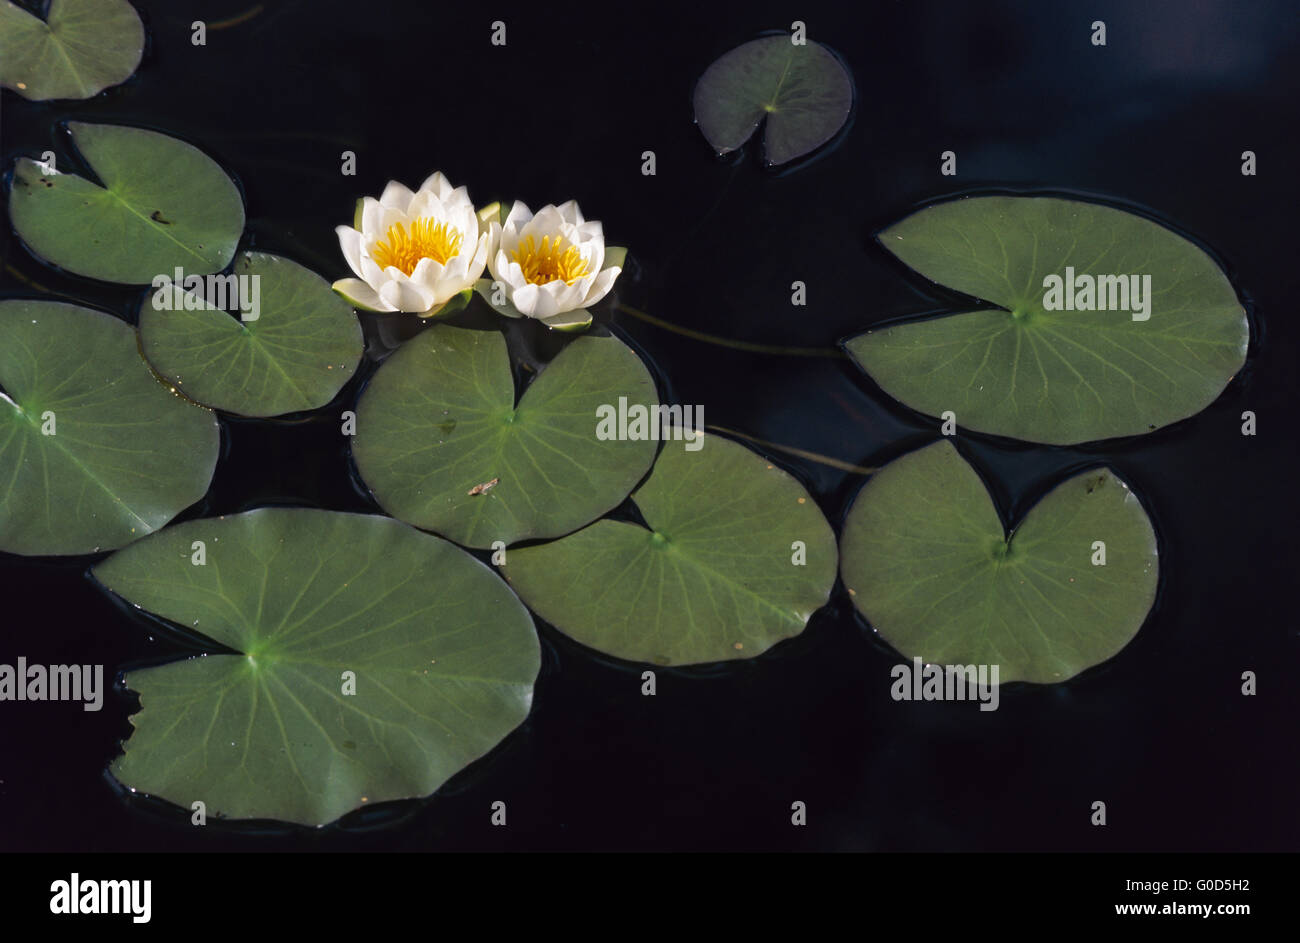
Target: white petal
594,253
591,231
457,198
377,219
404,295
455,271
570,212
526,300
350,243
547,221
427,273
396,195
518,216
571,296
493,236
423,205
513,276
600,287
437,184
375,277
359,293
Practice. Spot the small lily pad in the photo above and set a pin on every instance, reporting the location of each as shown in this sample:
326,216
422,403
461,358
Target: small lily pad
736,557
803,92
1056,375
94,451
82,48
439,419
296,354
163,205
370,662
929,565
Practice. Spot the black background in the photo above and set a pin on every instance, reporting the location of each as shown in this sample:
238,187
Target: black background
1155,120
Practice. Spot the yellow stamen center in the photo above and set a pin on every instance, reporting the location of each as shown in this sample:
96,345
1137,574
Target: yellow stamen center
426,239
553,261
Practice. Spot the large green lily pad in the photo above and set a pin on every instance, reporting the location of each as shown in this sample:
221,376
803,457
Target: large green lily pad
163,204
440,655
1057,376
442,445
737,557
82,48
94,451
802,91
296,354
929,565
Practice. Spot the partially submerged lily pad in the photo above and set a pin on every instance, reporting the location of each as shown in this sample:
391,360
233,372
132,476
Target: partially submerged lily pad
164,204
94,451
439,419
370,662
296,354
736,557
1058,376
803,92
929,565
80,49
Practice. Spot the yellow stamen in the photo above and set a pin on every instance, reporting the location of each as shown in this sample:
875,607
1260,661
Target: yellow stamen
426,239
554,261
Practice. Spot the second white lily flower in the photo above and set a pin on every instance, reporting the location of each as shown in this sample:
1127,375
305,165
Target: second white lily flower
552,262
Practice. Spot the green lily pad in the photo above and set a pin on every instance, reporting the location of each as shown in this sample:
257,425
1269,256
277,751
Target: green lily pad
441,444
803,92
163,205
1057,376
296,354
442,658
929,565
82,48
94,451
717,576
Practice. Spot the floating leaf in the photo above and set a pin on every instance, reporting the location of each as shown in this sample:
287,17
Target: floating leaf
1057,376
929,565
372,662
804,93
296,354
163,205
439,419
83,47
737,558
94,451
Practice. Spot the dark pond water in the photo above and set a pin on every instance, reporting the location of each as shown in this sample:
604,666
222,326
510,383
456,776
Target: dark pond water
1157,119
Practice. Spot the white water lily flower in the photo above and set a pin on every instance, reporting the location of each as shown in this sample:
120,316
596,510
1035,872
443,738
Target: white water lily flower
552,262
415,252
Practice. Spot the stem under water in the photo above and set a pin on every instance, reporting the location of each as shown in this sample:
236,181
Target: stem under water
801,453
828,352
